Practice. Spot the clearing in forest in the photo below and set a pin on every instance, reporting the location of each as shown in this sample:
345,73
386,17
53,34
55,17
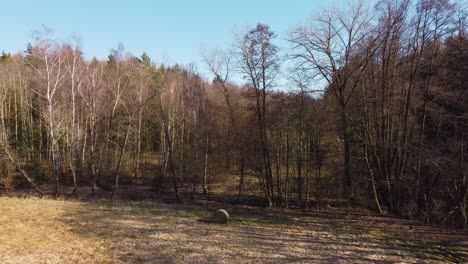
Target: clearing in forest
60,231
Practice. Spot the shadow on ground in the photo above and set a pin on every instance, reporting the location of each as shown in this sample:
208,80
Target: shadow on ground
173,233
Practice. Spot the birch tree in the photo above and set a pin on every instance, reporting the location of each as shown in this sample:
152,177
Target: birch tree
48,61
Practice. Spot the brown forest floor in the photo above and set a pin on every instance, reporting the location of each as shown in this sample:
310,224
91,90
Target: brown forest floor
102,231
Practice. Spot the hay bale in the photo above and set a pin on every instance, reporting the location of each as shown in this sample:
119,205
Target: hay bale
221,216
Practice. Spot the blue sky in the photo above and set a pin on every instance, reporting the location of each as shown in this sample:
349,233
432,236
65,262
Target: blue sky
169,31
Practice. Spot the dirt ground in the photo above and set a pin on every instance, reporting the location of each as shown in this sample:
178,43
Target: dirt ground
97,231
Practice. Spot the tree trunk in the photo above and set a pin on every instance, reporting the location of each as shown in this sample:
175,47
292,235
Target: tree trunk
205,169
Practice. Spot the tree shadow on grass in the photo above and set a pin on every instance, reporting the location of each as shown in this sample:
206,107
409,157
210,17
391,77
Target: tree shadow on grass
173,233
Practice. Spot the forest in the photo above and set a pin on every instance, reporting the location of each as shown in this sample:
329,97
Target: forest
366,106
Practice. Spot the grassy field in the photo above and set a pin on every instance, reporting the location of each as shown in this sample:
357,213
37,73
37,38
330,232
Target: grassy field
57,231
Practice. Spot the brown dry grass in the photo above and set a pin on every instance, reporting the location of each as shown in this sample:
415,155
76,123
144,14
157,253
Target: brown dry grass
33,232
54,231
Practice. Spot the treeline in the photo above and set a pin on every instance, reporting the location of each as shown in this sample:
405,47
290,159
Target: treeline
374,112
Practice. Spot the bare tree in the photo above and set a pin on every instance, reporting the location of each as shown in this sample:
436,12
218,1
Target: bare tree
219,63
92,98
75,69
48,61
258,61
6,88
331,47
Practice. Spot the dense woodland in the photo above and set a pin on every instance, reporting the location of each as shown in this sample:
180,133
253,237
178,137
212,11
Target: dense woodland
374,112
